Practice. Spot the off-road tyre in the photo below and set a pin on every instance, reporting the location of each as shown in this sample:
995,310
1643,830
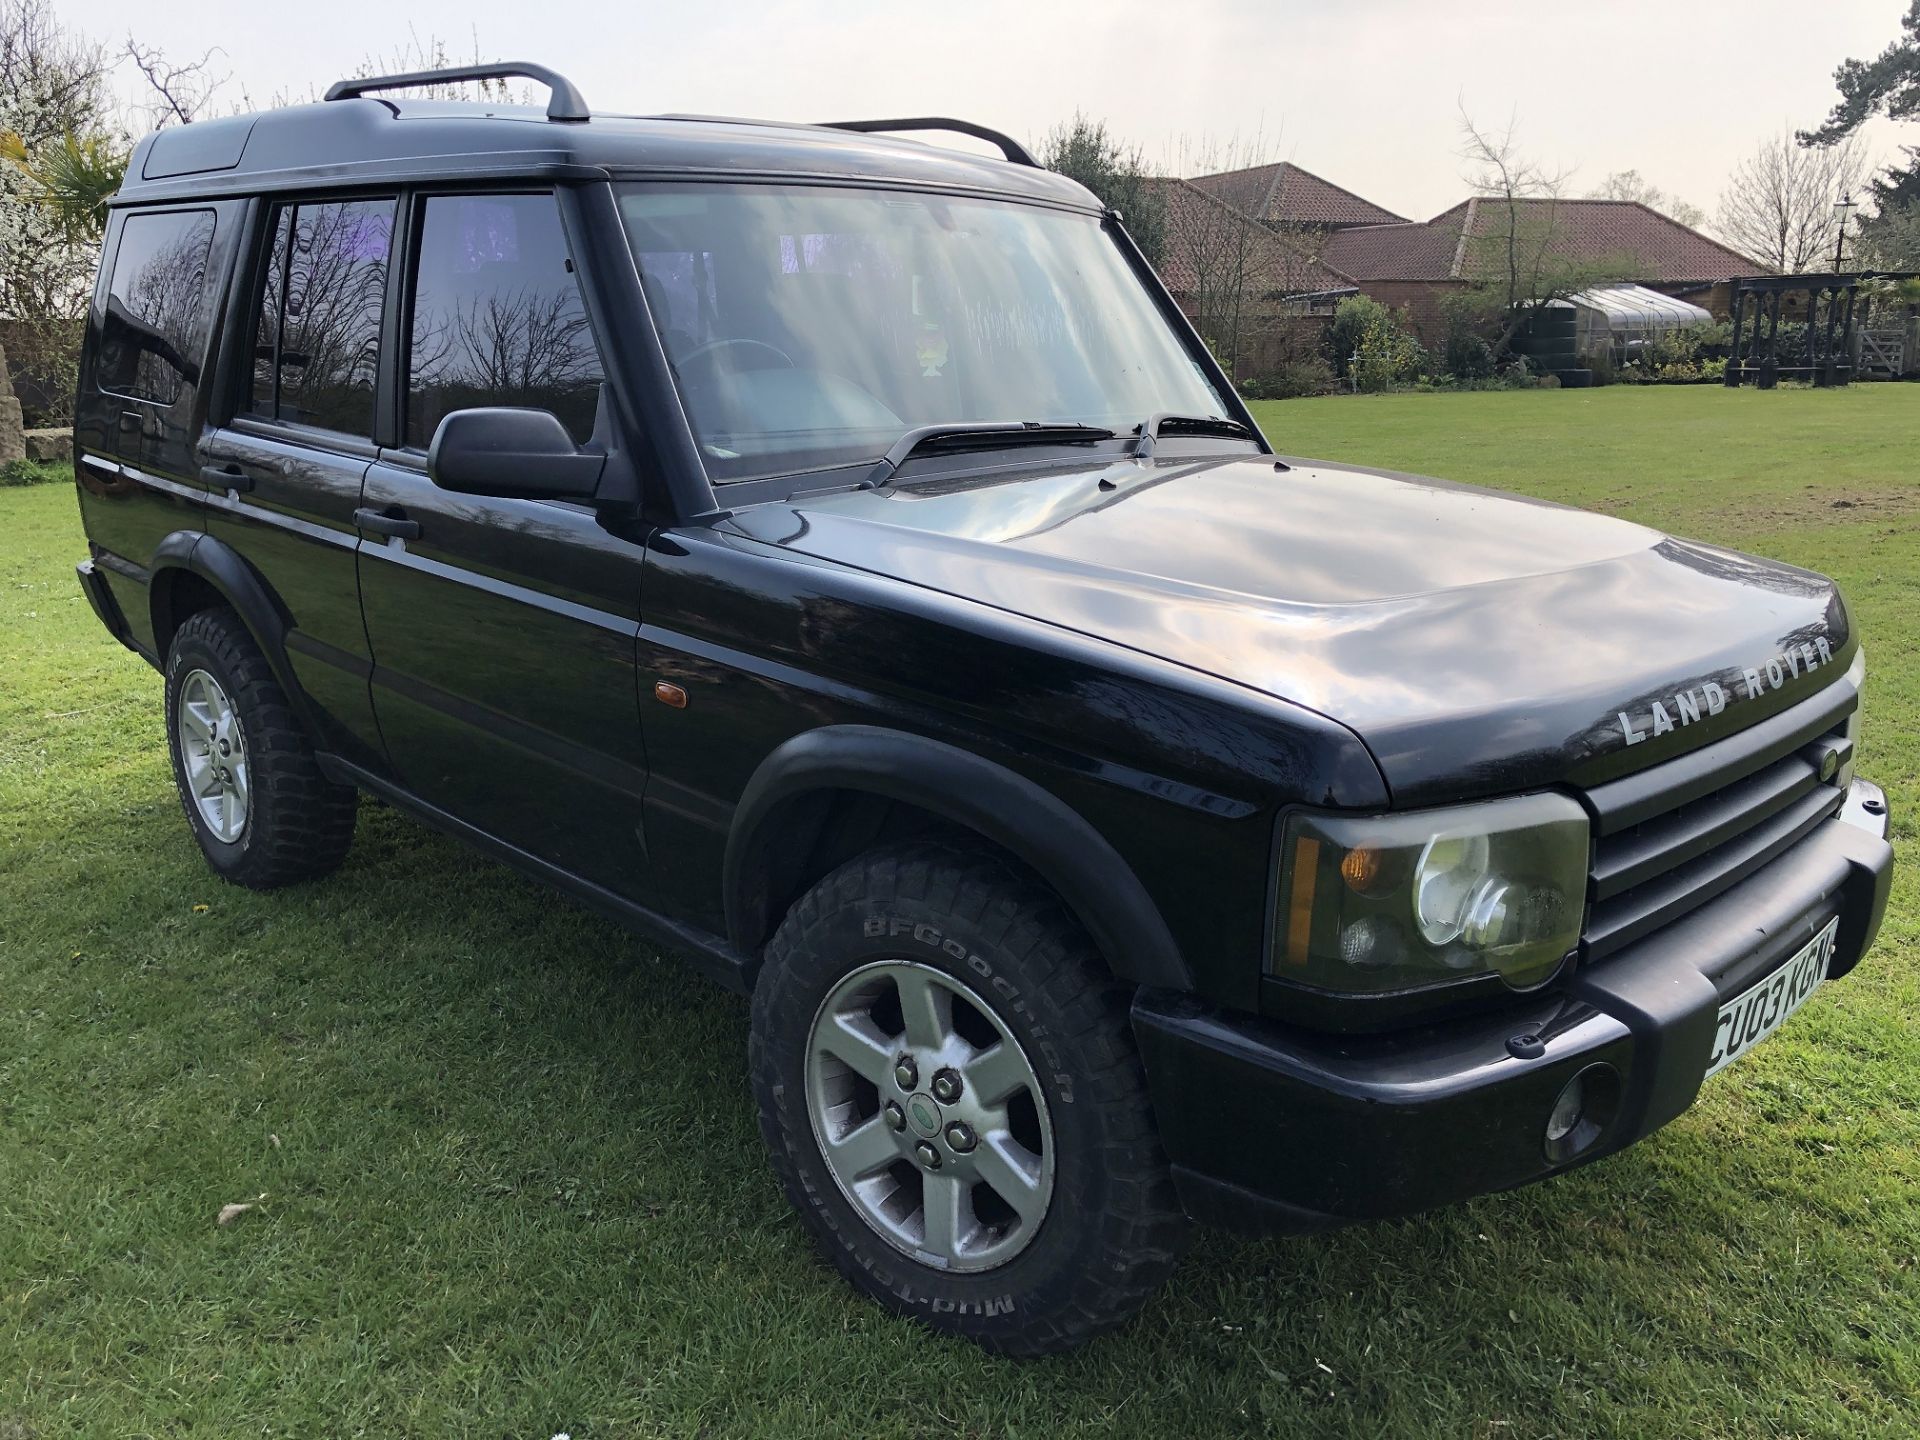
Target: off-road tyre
1113,1230
298,824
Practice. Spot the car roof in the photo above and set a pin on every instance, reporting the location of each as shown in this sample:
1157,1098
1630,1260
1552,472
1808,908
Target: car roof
355,141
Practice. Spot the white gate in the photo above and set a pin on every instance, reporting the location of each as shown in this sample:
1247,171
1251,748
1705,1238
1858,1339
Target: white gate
1883,354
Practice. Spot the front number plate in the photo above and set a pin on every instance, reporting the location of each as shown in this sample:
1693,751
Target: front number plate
1751,1016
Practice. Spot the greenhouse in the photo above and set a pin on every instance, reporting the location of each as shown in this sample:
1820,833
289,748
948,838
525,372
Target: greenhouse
1623,320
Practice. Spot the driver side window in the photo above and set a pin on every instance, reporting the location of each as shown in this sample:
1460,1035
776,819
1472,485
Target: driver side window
496,315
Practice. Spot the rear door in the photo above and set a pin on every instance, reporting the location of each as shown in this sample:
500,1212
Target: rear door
141,393
292,459
503,631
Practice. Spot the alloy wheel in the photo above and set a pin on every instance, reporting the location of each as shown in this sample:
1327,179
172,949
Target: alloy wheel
930,1116
213,753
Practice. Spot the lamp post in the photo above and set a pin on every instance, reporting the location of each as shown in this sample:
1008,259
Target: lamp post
1842,207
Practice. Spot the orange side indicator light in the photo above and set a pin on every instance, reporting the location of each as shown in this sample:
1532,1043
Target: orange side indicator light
668,693
1306,875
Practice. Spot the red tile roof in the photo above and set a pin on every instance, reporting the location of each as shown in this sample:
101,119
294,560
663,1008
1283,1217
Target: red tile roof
1457,244
1192,211
1284,194
1394,252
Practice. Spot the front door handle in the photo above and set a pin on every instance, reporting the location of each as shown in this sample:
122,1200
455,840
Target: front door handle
225,477
378,522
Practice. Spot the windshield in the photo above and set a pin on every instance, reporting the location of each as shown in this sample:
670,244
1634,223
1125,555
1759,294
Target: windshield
812,326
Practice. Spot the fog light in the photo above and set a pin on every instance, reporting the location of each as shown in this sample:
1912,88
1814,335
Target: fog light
1567,1111
1581,1113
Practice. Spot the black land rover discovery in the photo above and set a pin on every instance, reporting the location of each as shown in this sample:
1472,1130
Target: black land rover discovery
838,559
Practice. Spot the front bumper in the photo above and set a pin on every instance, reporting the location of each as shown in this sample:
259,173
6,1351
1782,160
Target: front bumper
1274,1128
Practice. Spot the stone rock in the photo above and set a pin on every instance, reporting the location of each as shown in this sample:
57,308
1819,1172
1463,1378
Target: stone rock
49,446
12,446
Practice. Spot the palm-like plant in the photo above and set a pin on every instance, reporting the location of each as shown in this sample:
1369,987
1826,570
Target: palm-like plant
71,177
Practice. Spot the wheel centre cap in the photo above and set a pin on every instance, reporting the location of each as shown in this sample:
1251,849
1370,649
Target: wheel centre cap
924,1114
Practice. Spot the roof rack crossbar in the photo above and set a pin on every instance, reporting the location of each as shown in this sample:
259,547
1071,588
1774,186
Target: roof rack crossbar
565,102
1010,147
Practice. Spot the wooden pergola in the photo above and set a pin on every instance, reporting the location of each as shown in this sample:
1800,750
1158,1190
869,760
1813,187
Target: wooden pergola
1824,356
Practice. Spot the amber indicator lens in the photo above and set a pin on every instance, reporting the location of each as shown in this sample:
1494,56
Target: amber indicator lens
1306,870
670,694
1361,868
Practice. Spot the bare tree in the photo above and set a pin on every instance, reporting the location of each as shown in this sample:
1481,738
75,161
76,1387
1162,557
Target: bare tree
1778,204
1632,185
1527,214
1232,267
416,53
182,91
1518,253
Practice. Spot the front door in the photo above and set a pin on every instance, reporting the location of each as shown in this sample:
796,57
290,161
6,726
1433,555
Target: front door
504,631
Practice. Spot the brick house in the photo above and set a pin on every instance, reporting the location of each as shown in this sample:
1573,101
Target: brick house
1244,282
1342,243
1413,265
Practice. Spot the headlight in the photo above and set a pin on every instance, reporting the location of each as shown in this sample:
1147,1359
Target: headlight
1402,902
1857,673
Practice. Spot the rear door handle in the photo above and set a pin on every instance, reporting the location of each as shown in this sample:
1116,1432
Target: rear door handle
379,523
225,477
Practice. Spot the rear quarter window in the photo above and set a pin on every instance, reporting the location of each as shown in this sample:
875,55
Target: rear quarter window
152,333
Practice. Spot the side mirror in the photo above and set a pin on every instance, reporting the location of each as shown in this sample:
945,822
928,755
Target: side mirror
513,454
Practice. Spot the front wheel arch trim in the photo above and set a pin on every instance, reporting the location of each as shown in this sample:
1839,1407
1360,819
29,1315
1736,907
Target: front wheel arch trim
1009,811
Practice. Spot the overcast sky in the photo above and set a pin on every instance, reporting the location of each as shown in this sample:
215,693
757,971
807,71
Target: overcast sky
1364,93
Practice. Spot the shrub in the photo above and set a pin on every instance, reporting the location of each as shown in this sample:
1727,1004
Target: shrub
1473,318
31,472
1375,349
1302,378
1467,356
1293,380
1367,332
1350,319
1680,357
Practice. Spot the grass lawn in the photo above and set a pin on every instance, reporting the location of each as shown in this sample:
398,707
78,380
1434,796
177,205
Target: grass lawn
504,1165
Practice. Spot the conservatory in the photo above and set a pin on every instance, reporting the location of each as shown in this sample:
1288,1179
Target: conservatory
1623,320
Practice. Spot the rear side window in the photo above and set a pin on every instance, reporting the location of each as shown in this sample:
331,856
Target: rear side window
317,330
497,318
151,339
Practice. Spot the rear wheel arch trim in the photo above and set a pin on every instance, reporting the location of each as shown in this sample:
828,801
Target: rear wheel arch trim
1004,808
236,582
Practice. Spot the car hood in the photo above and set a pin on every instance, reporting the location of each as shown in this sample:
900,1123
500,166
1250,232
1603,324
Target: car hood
1476,641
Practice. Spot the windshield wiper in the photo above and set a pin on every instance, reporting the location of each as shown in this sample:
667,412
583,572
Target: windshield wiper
1149,429
982,435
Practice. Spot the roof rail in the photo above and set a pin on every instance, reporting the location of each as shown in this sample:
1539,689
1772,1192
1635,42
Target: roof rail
565,102
1010,147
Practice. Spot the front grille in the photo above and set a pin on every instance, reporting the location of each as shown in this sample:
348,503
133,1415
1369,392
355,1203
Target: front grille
1670,838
